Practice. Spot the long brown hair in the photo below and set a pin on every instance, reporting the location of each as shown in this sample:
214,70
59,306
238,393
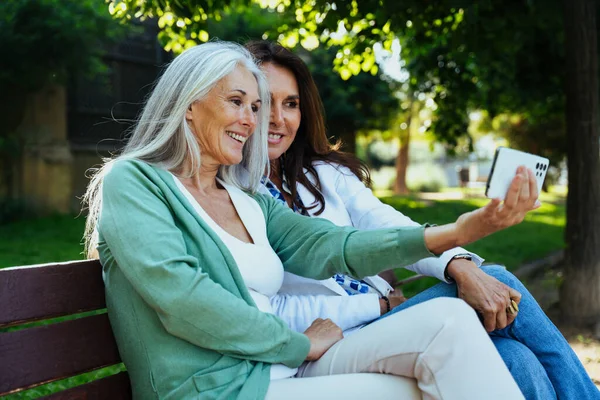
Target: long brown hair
311,143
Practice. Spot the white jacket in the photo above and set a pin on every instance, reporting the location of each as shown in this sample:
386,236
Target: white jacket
348,202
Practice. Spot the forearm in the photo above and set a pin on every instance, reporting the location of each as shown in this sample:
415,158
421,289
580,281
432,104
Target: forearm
299,311
439,239
436,266
369,252
316,248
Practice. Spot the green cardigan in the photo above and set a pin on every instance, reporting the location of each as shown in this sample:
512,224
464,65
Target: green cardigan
183,318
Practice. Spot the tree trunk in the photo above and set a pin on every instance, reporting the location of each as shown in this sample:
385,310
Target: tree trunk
402,159
580,291
403,153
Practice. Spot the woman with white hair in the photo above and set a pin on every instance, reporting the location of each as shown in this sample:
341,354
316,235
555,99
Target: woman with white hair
191,257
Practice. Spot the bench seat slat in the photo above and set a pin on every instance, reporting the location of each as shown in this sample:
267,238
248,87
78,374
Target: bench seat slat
50,290
30,357
115,387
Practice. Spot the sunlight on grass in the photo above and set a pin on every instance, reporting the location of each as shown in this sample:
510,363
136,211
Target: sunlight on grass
548,220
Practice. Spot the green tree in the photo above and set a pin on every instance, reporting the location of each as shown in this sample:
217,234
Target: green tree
364,101
43,43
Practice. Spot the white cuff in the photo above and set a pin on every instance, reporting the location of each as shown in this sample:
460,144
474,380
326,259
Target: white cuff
447,256
369,303
380,284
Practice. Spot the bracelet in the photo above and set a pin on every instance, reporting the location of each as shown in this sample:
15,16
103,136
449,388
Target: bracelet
387,303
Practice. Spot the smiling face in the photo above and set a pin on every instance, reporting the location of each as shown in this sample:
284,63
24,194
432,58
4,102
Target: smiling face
225,118
285,108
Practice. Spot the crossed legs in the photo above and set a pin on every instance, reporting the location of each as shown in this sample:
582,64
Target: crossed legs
440,343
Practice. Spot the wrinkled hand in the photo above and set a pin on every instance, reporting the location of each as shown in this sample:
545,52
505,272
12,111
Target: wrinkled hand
487,295
522,197
323,334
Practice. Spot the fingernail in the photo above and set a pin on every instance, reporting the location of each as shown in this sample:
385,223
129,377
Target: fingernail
537,203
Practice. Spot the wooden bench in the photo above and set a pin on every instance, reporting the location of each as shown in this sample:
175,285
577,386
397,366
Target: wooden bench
37,355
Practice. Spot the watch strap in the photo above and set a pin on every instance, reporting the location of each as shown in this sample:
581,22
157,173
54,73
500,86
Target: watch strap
461,256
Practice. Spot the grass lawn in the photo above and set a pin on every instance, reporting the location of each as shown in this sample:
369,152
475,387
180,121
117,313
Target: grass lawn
58,238
36,241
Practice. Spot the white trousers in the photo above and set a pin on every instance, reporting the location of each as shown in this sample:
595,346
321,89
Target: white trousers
440,343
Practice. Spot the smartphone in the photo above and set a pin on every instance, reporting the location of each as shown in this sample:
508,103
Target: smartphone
504,169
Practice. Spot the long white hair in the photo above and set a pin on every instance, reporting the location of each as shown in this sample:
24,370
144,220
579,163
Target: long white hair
162,137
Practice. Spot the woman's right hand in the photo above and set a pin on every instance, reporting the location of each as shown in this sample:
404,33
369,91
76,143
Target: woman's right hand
323,334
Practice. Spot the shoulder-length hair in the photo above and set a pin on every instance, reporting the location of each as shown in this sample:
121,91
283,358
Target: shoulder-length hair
311,143
162,137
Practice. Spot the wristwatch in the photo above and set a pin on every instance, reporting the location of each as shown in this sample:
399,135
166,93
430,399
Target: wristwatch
461,256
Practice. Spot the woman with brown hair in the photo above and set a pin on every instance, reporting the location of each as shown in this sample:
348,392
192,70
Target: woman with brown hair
314,178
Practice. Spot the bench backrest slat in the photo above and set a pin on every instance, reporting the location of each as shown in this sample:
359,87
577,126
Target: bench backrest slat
32,356
51,290
42,354
115,387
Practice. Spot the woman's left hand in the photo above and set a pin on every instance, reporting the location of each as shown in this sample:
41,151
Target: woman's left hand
487,295
522,197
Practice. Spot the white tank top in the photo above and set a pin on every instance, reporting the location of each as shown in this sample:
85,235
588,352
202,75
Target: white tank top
259,265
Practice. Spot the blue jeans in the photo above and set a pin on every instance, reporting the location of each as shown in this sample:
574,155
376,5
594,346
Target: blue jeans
536,353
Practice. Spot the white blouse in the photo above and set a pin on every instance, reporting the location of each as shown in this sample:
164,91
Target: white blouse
259,265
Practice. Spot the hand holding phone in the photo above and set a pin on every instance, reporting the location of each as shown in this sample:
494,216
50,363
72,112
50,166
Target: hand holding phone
513,187
504,168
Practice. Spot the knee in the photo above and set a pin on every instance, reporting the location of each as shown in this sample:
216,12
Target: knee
453,310
502,274
459,325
